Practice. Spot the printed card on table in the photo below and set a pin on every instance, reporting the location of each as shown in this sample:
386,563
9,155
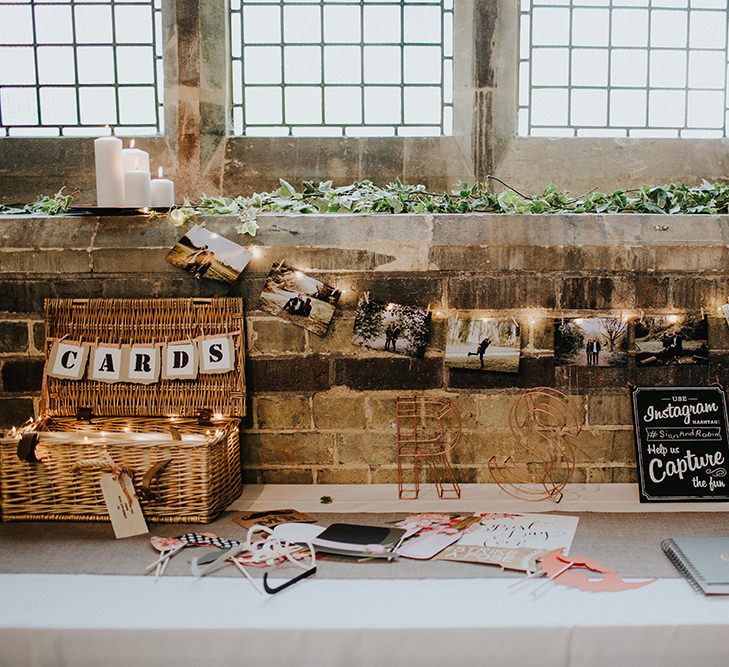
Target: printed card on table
530,531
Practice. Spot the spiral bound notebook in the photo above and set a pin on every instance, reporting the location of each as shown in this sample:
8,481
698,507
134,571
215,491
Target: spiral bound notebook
704,561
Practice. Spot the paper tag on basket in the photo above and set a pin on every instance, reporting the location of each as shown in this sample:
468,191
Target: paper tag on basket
126,517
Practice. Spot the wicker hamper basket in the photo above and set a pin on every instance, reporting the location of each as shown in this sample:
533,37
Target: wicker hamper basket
189,472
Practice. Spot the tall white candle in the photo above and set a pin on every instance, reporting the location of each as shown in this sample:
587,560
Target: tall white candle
137,188
163,192
135,159
109,171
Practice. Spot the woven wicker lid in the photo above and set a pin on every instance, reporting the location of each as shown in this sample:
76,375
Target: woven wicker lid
139,321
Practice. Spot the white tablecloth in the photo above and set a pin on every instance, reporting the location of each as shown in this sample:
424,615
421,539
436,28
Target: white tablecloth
94,621
86,621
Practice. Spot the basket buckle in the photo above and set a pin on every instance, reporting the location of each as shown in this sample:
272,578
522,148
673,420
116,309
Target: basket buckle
83,414
204,416
26,447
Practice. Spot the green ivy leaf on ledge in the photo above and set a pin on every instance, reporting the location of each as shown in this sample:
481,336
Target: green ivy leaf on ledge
364,197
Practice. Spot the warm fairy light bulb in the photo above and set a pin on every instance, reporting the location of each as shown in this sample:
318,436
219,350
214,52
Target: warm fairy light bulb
131,144
218,415
160,172
673,319
390,306
255,251
145,209
127,429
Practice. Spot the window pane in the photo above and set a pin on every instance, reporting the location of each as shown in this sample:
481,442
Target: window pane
344,67
97,63
603,68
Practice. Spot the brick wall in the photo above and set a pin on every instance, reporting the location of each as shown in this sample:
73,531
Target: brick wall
323,411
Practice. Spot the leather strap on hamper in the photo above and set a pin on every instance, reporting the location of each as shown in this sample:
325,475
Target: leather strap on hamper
146,491
26,447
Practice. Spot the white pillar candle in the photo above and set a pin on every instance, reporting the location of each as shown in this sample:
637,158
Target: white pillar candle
137,189
109,171
163,192
135,159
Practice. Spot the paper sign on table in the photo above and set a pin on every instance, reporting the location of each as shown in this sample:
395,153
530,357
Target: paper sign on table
126,517
532,531
521,559
428,545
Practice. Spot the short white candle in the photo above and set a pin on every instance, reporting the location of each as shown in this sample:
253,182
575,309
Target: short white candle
135,159
109,171
137,188
163,192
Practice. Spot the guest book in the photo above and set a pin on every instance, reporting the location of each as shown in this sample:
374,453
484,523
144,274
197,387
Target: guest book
704,561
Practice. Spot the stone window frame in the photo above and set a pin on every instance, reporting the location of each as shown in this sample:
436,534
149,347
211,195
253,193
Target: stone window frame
199,151
581,164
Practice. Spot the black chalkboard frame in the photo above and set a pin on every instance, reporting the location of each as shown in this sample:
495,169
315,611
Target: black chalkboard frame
644,496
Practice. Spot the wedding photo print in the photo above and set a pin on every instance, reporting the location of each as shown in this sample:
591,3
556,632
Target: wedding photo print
205,254
299,298
591,341
485,344
663,340
390,327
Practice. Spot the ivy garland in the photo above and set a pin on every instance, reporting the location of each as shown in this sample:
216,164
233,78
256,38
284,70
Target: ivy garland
364,197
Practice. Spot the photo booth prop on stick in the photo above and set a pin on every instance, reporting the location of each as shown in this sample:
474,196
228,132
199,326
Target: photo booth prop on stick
542,422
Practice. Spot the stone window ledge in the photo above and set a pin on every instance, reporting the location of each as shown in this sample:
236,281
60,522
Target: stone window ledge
382,243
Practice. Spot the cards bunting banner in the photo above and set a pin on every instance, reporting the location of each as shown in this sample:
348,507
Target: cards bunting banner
144,363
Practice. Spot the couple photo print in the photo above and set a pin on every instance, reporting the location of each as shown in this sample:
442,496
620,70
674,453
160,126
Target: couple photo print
591,341
299,298
390,327
483,344
205,254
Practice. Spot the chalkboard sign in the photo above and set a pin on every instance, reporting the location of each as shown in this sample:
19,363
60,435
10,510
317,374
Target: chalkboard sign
681,443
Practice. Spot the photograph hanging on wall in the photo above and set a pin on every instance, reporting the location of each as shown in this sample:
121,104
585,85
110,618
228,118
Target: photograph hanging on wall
390,327
591,341
663,340
484,344
205,254
299,298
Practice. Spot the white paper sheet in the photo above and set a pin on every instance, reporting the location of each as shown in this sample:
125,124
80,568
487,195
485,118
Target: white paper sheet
533,531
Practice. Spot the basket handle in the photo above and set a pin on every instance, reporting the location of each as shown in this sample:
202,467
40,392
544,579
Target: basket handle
145,492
